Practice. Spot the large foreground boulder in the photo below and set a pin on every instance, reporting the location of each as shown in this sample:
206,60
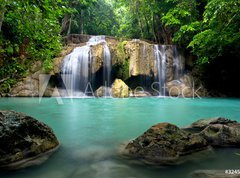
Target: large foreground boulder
24,141
164,144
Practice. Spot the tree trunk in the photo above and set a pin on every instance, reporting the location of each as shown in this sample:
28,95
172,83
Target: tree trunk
164,33
141,26
147,25
82,22
65,24
70,25
2,11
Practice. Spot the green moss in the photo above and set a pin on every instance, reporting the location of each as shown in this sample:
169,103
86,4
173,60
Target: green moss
121,70
121,49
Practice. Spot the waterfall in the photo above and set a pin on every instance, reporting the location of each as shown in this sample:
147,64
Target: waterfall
75,73
175,67
77,68
178,63
160,67
107,67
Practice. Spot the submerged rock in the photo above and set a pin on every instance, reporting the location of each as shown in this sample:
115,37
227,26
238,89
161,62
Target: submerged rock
24,141
164,144
120,89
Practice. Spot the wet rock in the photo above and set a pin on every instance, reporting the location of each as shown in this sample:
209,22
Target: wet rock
76,38
164,144
221,135
24,141
103,91
181,88
219,132
176,88
185,87
97,57
203,123
140,94
120,89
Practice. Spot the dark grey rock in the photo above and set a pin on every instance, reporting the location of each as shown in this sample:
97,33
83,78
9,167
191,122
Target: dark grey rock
219,131
164,144
24,141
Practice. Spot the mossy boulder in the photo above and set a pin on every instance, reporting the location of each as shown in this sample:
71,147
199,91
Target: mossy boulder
24,141
164,144
120,89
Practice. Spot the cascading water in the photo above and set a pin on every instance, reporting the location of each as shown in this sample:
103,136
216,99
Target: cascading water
161,60
76,69
160,67
178,63
107,67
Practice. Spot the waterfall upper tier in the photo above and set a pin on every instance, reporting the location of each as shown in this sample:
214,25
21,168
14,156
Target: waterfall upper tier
78,67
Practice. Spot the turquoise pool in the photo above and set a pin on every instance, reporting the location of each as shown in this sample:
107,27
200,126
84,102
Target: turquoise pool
91,130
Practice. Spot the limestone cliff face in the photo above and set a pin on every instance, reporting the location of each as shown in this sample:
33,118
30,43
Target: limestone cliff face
138,55
29,86
169,64
97,57
141,57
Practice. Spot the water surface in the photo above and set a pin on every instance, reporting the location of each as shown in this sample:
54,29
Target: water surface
91,130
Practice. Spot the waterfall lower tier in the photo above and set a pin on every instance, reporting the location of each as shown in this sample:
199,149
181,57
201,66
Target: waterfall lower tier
78,72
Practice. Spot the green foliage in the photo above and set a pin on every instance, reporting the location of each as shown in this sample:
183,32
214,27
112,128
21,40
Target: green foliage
100,19
10,72
186,32
38,25
121,70
121,49
220,29
95,17
29,32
